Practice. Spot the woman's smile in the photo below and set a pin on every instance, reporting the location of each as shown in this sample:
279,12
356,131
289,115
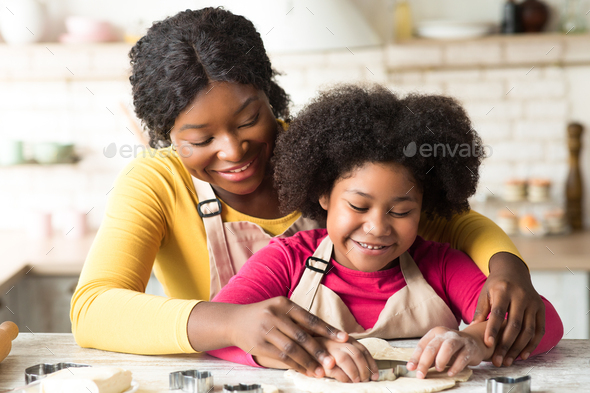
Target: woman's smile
240,172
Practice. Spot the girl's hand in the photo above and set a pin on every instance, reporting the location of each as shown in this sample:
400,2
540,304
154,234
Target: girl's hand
354,363
509,289
279,330
441,345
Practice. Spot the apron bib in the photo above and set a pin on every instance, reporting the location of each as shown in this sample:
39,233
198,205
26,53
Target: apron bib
230,244
410,312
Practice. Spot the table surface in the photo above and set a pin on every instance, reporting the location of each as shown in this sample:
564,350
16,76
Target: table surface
563,369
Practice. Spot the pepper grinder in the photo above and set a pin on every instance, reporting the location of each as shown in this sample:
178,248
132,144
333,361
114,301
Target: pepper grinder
8,332
573,187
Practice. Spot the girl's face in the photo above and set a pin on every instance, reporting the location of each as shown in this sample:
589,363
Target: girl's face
226,136
373,216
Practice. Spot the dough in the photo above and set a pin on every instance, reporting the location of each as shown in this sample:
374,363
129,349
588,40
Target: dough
269,388
87,379
380,349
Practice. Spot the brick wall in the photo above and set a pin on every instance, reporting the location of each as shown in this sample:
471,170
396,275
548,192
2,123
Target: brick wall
519,91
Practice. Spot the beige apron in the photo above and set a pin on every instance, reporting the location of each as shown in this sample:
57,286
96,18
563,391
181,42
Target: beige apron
410,312
230,244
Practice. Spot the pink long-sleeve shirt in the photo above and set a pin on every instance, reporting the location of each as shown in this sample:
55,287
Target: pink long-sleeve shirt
276,270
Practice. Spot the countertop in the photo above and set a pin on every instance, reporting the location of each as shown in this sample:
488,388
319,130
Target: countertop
58,255
557,252
563,369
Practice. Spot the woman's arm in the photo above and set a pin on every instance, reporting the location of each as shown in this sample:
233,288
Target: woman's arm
109,309
252,311
463,282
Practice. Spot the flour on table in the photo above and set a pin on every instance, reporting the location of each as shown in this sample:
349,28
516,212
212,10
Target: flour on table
380,349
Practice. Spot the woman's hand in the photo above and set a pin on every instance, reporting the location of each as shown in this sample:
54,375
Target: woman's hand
442,346
276,329
354,363
509,289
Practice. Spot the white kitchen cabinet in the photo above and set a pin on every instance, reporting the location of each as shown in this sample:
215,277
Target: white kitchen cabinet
568,292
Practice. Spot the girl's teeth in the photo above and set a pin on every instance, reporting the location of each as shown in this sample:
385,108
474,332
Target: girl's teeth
371,247
242,168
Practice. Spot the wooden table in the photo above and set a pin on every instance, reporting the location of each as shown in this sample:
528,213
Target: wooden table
562,369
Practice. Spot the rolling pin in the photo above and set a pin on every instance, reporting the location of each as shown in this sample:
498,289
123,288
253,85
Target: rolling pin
8,332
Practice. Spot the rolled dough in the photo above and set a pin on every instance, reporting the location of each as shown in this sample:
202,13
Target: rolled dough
380,349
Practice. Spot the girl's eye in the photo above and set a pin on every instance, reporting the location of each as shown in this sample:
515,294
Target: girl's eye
400,214
251,123
358,209
203,143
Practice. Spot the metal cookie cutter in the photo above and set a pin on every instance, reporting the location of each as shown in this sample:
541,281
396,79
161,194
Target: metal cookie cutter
507,384
40,371
389,370
256,388
192,381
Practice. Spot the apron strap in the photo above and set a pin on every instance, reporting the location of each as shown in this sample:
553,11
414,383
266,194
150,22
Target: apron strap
209,208
316,267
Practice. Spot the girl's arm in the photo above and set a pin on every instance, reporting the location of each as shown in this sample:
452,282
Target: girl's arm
441,344
508,286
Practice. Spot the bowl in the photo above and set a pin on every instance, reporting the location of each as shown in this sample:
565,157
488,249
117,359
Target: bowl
53,152
445,29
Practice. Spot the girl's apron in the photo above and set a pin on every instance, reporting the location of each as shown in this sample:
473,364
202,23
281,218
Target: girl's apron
410,312
230,244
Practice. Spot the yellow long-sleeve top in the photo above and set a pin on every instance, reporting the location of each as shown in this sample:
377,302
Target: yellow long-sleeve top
151,221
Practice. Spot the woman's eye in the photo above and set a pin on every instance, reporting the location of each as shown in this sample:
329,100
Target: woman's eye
400,214
358,209
251,123
203,143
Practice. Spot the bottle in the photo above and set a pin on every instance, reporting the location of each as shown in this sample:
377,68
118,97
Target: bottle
510,18
403,26
573,184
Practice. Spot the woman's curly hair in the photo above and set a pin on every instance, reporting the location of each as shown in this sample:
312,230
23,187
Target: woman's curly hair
348,126
180,55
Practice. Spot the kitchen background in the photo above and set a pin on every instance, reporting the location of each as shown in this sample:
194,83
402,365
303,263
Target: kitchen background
67,125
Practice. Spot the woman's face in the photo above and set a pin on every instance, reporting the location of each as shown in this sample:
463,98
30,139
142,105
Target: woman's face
373,216
226,136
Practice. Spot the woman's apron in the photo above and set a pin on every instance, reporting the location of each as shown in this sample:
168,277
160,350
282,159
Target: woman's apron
410,312
230,244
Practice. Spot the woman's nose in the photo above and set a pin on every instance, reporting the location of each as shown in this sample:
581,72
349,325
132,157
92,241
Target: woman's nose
233,149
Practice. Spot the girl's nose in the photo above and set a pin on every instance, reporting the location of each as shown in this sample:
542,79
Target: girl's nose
378,225
233,149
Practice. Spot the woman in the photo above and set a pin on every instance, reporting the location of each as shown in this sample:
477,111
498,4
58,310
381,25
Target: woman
195,211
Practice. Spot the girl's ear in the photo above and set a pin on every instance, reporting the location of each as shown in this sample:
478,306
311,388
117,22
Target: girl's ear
324,202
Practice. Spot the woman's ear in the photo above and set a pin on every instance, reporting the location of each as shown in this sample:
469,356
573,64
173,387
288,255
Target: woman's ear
324,202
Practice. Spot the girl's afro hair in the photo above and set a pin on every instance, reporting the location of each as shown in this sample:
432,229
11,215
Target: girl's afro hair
348,126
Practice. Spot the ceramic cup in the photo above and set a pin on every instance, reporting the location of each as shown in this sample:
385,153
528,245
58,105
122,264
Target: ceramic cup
11,152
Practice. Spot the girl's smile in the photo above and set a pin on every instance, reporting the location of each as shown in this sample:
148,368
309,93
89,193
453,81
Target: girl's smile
373,216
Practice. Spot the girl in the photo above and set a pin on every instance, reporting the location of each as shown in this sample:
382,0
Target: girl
204,89
346,159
